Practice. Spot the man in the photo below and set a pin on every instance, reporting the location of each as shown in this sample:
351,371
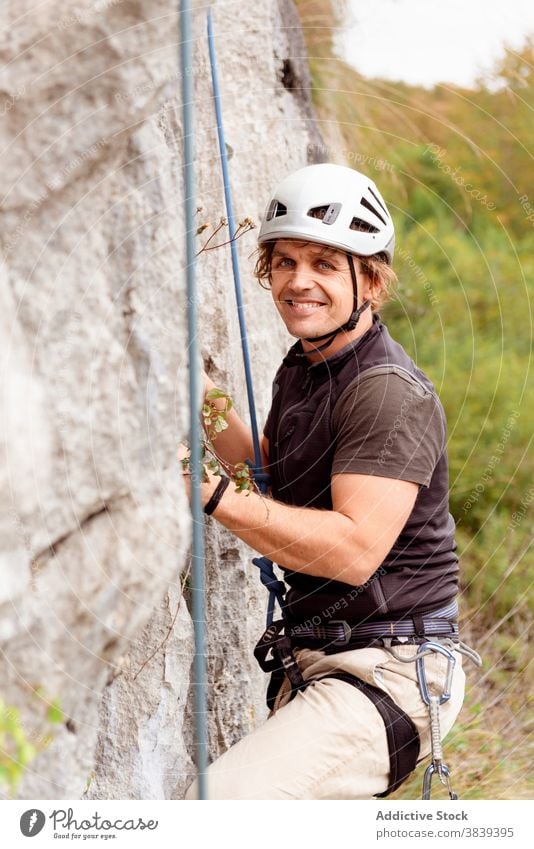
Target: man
358,518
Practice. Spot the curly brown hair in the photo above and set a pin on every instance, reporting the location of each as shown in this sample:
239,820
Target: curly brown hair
379,273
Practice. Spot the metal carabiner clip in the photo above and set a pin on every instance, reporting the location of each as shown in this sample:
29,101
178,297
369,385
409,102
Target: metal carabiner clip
423,649
444,777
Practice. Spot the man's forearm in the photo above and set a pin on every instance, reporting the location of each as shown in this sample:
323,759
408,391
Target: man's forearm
316,542
233,445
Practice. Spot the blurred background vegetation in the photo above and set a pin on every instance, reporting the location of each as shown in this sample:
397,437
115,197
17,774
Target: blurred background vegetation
455,166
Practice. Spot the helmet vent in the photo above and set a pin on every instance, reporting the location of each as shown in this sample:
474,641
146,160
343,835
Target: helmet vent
370,207
379,202
276,209
327,214
363,226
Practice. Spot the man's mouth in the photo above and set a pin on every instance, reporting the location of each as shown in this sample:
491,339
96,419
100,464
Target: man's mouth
303,307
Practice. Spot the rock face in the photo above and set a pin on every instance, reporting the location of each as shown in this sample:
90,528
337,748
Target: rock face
95,527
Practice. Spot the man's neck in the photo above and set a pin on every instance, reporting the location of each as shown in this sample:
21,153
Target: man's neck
340,341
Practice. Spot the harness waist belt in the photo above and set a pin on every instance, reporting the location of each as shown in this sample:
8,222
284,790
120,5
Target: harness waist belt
338,632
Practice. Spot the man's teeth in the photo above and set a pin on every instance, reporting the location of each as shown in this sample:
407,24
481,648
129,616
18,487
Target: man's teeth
305,304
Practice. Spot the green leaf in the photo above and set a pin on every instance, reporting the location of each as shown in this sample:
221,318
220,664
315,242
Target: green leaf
26,753
54,713
215,393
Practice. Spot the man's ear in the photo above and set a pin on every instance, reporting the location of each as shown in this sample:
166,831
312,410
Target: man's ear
376,291
367,290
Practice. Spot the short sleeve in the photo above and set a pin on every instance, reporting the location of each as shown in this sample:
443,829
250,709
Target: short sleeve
388,425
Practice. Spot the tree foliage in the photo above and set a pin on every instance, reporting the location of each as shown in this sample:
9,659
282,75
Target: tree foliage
455,165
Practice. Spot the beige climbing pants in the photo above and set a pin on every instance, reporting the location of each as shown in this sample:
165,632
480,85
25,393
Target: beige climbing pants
329,742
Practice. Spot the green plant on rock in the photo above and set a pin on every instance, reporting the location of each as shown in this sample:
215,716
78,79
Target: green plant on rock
16,750
18,747
215,420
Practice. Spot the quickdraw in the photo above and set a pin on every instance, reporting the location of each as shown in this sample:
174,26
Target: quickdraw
437,766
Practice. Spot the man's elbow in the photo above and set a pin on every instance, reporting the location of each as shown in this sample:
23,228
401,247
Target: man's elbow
356,563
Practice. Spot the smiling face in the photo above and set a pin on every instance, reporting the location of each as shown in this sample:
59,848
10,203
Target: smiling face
311,286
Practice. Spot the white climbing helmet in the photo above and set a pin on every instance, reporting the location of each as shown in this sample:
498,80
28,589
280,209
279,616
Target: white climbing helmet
333,205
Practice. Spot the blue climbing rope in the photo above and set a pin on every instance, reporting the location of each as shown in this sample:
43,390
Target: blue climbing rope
259,474
197,566
267,574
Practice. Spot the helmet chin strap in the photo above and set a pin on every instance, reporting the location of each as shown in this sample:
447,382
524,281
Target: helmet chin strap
349,325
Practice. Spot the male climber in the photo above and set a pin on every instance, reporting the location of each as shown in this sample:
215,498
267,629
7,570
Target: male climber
357,517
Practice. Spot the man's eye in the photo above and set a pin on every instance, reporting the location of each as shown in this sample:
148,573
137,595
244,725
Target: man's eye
325,264
284,261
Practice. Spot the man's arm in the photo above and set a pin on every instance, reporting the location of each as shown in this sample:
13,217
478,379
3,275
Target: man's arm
347,543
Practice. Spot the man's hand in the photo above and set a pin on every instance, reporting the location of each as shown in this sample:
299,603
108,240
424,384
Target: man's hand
207,487
234,444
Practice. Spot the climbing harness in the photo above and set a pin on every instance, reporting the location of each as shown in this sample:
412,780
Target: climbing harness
275,655
401,733
337,635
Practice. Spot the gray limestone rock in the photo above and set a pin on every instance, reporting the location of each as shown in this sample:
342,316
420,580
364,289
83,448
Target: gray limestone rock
95,526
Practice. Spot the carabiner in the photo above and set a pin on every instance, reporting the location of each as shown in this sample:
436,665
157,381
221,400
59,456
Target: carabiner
421,672
444,777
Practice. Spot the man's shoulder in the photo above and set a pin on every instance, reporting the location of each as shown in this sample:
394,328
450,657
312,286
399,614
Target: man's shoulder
392,374
384,391
384,380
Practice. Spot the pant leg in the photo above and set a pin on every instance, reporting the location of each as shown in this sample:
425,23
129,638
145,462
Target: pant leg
300,750
399,680
329,742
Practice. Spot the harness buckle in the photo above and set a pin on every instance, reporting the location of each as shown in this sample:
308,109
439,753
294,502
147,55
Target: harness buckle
347,632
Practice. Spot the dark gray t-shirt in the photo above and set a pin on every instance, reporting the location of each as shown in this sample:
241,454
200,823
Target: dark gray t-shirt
366,410
388,424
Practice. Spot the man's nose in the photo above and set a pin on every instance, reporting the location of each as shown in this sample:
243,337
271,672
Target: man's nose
300,277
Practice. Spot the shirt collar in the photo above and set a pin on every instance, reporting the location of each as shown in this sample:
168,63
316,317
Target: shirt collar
332,363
